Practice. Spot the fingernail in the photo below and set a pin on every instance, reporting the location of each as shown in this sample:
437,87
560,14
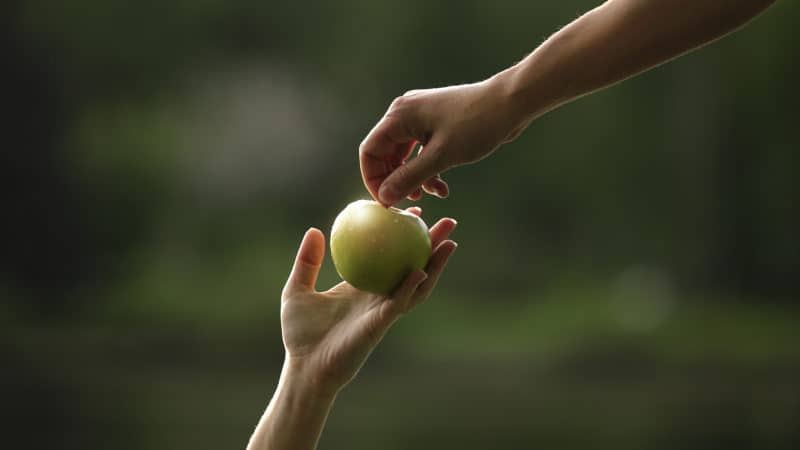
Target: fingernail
388,194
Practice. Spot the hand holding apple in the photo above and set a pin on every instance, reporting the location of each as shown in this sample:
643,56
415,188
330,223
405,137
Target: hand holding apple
328,335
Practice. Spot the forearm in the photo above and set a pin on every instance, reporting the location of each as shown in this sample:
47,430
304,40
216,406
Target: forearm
617,40
296,414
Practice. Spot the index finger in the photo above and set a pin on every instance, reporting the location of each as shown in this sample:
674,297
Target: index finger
384,149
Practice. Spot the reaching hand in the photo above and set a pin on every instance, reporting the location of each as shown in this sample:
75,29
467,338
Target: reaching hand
331,333
455,125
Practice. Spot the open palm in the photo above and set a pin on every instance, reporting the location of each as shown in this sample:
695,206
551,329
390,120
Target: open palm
333,332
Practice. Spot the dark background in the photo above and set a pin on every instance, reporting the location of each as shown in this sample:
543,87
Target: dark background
628,270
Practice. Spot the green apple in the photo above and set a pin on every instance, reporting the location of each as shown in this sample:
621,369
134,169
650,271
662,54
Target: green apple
374,248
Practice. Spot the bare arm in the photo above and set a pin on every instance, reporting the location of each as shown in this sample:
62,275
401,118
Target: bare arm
617,40
296,414
462,124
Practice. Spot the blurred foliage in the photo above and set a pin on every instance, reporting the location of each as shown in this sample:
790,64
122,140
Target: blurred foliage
628,269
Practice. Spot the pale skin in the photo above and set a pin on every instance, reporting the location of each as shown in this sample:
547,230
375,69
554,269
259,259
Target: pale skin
462,124
328,335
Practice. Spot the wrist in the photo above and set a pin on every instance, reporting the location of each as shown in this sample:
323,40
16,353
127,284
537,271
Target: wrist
512,103
302,378
527,90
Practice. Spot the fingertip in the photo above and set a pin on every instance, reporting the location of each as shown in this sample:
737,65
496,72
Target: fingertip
443,190
437,187
312,249
315,234
441,187
416,210
307,263
441,230
388,194
449,246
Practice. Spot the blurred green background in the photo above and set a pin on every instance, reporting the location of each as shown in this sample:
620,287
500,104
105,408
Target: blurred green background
628,270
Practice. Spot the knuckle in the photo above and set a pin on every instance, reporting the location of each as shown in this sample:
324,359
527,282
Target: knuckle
398,102
362,147
403,176
372,332
401,103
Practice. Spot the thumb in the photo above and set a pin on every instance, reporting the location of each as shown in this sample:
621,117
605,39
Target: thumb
307,263
409,176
